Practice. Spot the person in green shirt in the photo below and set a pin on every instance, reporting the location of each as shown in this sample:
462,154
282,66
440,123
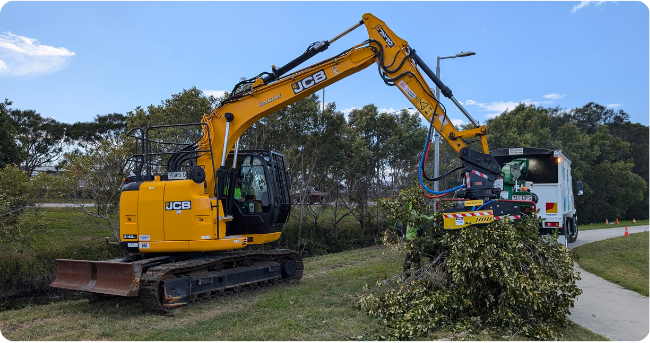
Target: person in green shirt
411,233
237,194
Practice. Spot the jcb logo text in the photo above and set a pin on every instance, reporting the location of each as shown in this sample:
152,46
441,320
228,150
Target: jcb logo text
383,35
309,81
178,205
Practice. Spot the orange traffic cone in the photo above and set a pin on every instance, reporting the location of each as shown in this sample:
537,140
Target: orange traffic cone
626,233
616,221
606,222
633,221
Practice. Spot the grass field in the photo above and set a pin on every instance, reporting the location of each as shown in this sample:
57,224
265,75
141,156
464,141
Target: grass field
27,264
621,223
621,260
321,307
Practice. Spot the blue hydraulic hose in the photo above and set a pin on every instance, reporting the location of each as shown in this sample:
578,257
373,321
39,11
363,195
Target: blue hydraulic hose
426,143
485,204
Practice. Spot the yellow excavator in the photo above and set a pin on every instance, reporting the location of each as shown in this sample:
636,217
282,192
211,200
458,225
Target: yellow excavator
185,230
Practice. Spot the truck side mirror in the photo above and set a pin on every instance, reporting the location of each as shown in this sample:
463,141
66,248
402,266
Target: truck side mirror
579,187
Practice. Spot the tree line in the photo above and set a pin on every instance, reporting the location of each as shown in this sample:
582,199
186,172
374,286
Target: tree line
357,159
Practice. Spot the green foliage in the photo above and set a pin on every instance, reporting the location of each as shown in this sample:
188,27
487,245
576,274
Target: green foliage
187,106
40,139
108,126
501,276
100,168
615,189
9,151
524,126
27,265
397,209
592,115
18,193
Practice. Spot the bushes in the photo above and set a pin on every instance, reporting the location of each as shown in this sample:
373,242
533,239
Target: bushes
502,276
27,266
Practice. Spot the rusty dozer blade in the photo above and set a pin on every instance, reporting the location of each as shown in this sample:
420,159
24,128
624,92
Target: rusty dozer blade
116,278
107,277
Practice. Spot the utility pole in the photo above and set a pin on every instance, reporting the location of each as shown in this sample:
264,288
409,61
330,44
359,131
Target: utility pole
436,135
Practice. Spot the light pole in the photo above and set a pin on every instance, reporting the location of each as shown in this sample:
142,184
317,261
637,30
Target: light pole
436,136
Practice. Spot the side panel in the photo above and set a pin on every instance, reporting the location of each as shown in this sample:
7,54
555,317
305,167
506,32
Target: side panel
187,212
150,211
129,216
550,202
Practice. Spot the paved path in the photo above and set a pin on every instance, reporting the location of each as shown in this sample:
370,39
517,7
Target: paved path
65,205
606,308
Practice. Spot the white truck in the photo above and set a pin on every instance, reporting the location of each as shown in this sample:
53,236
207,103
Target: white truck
546,174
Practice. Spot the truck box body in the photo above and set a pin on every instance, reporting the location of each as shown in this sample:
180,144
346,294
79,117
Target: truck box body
550,173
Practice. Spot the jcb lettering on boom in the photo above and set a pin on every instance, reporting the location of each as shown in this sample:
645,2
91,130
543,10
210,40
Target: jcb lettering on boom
178,205
309,81
383,35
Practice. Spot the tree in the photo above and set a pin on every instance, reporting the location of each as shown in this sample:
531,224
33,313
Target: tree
41,140
611,188
525,126
188,106
503,276
9,151
100,168
372,130
590,116
108,126
19,192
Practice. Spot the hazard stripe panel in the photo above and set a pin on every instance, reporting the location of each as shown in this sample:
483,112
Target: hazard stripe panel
468,214
501,217
479,174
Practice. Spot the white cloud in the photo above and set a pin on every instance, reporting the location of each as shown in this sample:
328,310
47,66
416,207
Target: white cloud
554,96
497,107
215,94
457,122
26,56
585,4
347,111
613,105
393,110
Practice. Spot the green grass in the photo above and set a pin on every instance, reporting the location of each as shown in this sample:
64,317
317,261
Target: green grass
27,265
621,223
321,307
621,260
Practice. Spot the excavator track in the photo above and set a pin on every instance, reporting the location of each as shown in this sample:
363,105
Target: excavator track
209,277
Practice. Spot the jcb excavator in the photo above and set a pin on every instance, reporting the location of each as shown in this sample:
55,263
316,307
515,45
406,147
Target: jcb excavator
185,228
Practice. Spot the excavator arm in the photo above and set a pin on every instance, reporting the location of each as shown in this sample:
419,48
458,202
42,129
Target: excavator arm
398,64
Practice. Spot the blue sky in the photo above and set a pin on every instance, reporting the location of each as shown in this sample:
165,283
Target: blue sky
74,60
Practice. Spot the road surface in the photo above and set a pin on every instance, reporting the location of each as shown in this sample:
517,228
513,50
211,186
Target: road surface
604,307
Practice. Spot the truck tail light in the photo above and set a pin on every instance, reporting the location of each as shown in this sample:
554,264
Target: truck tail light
551,224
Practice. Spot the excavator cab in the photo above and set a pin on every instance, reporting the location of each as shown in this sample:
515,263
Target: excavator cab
178,160
260,203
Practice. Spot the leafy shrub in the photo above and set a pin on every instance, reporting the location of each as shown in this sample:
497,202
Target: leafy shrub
502,276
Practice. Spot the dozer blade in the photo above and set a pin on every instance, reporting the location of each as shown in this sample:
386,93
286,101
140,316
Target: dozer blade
107,277
116,278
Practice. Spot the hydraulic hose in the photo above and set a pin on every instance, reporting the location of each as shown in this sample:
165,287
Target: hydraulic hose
421,168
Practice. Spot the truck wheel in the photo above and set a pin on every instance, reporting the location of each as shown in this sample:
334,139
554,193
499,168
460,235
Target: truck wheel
573,232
